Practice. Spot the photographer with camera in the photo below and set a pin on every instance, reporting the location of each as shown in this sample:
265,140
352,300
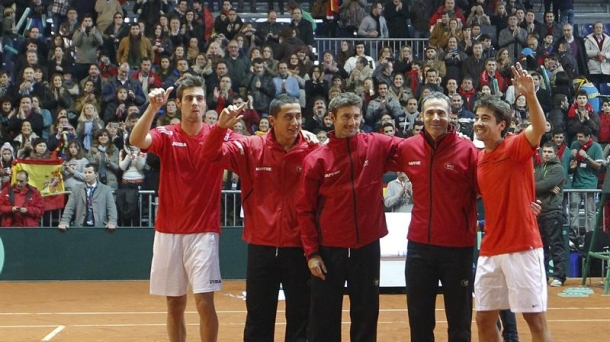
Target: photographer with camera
21,204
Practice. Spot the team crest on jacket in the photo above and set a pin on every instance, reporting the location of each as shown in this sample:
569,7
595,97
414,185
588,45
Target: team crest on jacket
449,166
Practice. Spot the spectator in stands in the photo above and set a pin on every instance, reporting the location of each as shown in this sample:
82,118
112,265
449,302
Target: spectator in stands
7,155
59,10
374,25
399,88
260,85
399,194
113,35
147,78
60,135
69,24
135,47
513,38
21,204
350,64
284,83
132,162
57,96
26,113
232,26
176,33
219,97
597,46
105,154
269,31
89,124
383,102
441,31
396,14
549,190
474,65
383,73
149,12
39,150
27,85
543,95
106,9
549,26
585,162
304,28
74,166
88,96
171,111
47,118
499,18
220,69
576,48
90,204
420,11
566,11
530,24
238,65
468,92
87,40
454,57
210,117
116,111
582,114
449,6
134,90
59,61
492,78
432,61
432,81
25,139
95,77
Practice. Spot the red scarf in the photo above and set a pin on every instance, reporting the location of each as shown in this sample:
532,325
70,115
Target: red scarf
574,110
584,147
560,151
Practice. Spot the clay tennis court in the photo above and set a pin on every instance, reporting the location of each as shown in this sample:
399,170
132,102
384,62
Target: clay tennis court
123,311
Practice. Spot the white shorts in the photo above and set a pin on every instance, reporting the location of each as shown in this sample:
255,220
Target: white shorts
515,281
183,259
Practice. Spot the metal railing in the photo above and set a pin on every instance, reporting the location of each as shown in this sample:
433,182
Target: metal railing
147,203
373,45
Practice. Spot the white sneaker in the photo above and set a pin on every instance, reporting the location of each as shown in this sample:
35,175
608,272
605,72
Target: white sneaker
556,283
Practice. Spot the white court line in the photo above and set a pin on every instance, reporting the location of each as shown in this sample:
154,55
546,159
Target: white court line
101,313
53,333
127,325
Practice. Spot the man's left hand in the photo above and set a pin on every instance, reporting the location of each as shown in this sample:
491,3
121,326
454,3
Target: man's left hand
310,137
230,116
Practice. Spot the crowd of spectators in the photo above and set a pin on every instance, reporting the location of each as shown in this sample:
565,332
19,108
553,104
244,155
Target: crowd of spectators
72,89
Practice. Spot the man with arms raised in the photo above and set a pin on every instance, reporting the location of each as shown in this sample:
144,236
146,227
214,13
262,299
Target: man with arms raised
510,271
187,226
269,167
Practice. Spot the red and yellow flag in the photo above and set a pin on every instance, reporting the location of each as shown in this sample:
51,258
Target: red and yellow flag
45,175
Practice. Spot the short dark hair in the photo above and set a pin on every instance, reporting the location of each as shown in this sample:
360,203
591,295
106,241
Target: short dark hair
344,100
550,144
189,82
92,165
276,104
500,109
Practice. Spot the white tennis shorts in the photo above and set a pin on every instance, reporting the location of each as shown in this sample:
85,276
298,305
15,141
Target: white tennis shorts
515,281
180,260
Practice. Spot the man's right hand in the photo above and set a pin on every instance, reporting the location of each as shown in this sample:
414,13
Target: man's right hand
158,96
230,116
62,227
317,267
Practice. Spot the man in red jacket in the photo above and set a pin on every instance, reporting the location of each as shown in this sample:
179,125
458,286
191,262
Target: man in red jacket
21,204
341,215
442,168
269,167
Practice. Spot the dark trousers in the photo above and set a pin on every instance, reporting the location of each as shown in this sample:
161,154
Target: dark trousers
427,265
551,231
268,267
360,267
507,324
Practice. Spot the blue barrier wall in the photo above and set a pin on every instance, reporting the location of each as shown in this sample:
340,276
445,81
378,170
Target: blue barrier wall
95,254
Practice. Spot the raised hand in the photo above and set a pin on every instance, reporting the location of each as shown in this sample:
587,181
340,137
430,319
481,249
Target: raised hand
230,116
522,81
158,96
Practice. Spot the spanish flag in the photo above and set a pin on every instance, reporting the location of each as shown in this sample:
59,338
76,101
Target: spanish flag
45,175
